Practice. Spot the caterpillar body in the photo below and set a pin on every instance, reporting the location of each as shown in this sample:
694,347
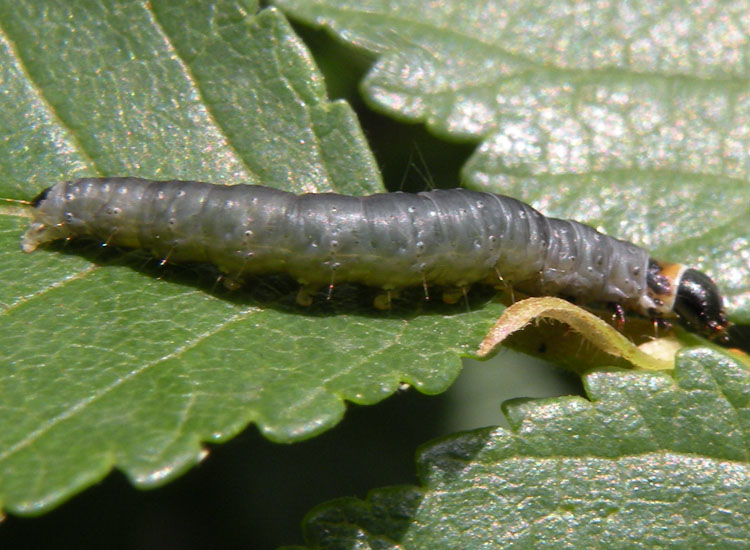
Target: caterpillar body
446,238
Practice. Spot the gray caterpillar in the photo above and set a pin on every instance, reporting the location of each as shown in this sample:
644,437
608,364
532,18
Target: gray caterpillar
446,238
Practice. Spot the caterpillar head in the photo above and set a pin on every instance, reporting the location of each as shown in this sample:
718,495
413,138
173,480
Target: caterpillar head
698,305
675,289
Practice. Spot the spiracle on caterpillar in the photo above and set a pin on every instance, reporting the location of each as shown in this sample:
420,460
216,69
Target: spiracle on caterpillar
445,238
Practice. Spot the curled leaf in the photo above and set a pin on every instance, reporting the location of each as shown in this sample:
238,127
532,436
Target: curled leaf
591,328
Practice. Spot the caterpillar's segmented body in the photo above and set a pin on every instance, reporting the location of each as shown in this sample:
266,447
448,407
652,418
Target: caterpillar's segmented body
446,238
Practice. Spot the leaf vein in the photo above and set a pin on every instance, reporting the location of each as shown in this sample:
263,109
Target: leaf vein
196,82
83,404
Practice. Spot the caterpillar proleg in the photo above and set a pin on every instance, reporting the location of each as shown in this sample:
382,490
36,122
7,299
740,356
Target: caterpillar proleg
443,238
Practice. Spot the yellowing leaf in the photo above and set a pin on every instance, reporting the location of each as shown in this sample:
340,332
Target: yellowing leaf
597,332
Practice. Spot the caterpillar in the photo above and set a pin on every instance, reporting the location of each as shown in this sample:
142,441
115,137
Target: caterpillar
445,238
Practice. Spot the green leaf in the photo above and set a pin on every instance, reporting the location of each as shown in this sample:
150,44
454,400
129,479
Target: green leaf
109,360
650,462
630,118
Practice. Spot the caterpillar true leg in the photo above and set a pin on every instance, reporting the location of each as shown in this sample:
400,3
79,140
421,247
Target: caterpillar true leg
618,316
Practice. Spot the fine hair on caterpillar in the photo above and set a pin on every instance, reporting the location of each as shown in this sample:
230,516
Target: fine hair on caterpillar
449,239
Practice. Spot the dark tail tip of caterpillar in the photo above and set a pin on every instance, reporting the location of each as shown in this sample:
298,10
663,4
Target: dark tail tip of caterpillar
40,197
699,307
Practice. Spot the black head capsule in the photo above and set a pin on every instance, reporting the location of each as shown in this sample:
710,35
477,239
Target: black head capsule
699,307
